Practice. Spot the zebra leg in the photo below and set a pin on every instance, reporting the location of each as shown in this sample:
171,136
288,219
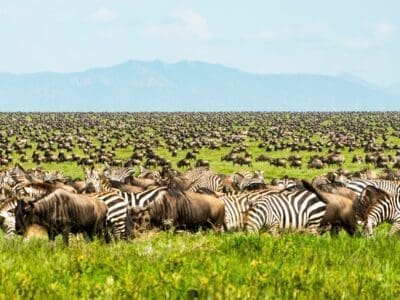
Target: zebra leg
274,229
395,228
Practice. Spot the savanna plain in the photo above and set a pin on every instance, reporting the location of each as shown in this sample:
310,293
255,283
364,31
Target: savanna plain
205,264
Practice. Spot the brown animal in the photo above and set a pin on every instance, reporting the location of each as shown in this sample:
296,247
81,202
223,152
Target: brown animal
63,213
340,211
185,210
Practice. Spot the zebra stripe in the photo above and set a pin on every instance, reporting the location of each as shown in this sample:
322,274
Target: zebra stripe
132,199
118,174
386,209
7,212
236,205
212,182
358,185
297,210
117,212
246,180
285,183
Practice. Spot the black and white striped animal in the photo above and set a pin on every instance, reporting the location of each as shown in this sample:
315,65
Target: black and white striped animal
7,216
246,180
299,210
236,206
386,208
6,183
358,185
200,179
117,174
285,183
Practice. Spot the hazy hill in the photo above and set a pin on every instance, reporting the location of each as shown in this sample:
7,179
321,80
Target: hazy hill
187,86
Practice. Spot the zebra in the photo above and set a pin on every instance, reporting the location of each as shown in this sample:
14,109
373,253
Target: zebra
118,202
386,209
144,198
117,174
358,185
236,205
117,212
18,174
299,210
211,182
7,216
285,183
6,183
202,179
151,174
246,180
197,173
140,199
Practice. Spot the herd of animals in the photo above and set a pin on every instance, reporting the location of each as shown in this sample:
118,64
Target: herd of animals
114,201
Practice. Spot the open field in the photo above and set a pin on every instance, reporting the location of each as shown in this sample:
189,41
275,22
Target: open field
118,135
205,265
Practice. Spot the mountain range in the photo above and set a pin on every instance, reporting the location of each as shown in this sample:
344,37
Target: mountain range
190,86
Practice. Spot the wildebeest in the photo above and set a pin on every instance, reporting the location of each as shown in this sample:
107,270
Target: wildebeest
63,213
340,210
179,209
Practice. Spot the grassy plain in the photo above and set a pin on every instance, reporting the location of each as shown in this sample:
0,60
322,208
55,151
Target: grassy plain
204,265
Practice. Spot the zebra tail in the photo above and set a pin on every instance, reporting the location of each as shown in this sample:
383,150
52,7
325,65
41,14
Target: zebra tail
308,186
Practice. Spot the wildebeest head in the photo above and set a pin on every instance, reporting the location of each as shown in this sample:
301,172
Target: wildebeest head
23,215
139,218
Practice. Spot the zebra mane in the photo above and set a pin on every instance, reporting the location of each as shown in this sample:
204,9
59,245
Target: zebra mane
372,204
8,203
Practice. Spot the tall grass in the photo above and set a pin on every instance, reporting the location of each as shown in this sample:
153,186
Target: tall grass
205,265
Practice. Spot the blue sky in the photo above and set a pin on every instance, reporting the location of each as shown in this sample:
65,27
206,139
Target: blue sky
309,36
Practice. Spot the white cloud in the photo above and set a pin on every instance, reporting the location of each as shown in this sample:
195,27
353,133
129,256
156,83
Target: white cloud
266,35
103,15
185,23
377,35
384,29
373,35
312,31
357,42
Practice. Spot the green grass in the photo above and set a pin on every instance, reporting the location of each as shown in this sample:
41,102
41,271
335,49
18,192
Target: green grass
214,157
207,265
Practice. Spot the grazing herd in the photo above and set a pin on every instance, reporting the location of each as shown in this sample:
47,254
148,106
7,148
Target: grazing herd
113,203
155,171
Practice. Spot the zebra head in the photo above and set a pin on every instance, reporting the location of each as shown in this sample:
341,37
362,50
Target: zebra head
92,180
259,174
6,179
369,228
